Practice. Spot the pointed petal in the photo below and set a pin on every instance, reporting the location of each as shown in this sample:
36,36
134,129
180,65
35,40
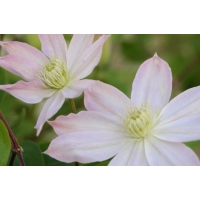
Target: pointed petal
161,152
20,66
51,106
78,45
88,60
184,105
26,51
132,155
54,45
86,147
152,84
106,99
76,88
29,92
182,130
87,121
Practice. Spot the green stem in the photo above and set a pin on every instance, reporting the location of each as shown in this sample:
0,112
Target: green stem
73,108
12,159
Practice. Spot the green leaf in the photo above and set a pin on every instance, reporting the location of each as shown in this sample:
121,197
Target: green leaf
5,144
32,154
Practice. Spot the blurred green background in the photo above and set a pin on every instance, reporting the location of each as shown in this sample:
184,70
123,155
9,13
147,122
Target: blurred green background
122,55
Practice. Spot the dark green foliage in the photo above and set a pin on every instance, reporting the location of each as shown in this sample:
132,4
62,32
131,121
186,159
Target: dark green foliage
32,154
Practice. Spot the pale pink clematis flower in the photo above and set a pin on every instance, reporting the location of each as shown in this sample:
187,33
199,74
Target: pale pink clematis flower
143,130
54,73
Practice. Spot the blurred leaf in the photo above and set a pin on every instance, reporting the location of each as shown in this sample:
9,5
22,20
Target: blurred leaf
5,144
192,144
32,154
134,49
103,163
51,161
19,120
2,96
2,81
33,40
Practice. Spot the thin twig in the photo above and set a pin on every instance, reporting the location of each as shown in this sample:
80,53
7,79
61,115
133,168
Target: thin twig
12,159
15,145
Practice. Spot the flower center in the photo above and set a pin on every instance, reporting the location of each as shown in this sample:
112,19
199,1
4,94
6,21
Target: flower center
139,122
54,73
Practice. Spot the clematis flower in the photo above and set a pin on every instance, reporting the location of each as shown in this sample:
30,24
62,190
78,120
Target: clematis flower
54,73
143,130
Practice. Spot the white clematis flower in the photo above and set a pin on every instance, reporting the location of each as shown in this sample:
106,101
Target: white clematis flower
54,73
143,130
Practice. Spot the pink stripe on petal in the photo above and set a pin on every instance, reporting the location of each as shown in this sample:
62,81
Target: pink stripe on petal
89,59
29,92
51,106
54,45
184,105
87,121
76,88
152,84
164,153
85,147
78,45
181,130
132,155
26,51
106,99
20,66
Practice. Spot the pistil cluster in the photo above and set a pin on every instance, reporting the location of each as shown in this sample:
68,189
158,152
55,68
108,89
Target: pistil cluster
54,73
138,122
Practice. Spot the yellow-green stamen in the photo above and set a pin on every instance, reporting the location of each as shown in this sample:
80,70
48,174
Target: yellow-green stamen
54,73
138,122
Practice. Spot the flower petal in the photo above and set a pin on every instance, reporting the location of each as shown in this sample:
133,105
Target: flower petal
152,84
161,152
78,45
20,66
182,130
106,99
26,51
132,155
86,147
51,106
54,45
184,105
89,59
87,121
76,88
29,92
